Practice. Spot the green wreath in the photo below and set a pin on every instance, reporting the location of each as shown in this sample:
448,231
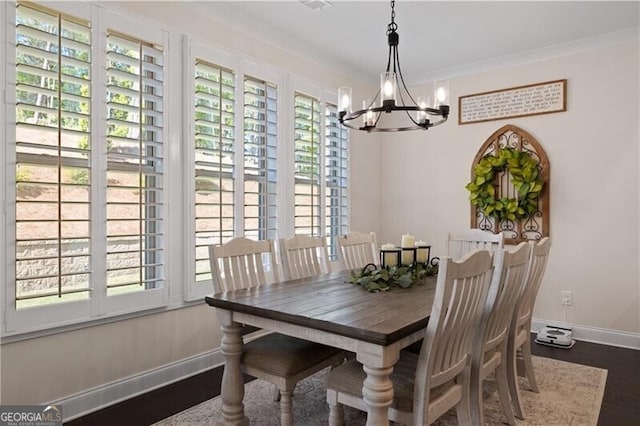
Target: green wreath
525,178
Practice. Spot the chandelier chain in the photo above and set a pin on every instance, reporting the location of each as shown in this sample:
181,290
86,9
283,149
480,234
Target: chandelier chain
392,27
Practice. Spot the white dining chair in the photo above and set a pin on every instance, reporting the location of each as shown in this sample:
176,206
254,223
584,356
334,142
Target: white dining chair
462,242
519,342
426,386
276,358
358,249
303,256
490,343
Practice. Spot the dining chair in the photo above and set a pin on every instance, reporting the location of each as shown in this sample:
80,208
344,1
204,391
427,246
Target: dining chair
489,352
463,242
519,342
427,385
358,249
303,256
276,358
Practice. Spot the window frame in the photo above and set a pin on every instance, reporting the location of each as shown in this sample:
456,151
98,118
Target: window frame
98,305
241,67
324,97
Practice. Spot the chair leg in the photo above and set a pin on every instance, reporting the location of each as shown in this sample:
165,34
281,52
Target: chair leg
475,397
528,366
463,408
336,415
336,412
512,379
286,414
503,392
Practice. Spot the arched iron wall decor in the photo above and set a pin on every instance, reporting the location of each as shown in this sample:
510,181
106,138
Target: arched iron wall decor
532,226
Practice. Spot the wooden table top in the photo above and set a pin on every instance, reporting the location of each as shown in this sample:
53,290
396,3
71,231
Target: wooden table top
330,303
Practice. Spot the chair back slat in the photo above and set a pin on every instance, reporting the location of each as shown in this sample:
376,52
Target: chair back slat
461,293
304,256
358,249
461,243
537,268
509,277
240,263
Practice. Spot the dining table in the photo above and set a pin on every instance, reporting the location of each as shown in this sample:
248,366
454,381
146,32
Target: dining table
327,309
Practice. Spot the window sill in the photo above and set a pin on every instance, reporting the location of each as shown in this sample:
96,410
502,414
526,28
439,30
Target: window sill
18,336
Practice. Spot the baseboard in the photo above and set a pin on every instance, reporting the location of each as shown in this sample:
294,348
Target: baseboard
603,336
112,393
106,395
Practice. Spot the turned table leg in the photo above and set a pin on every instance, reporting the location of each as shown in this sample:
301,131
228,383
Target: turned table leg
232,382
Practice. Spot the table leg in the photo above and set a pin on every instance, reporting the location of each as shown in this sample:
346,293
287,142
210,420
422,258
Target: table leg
377,391
232,383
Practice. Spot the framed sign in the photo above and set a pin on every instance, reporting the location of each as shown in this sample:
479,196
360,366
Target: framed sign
521,101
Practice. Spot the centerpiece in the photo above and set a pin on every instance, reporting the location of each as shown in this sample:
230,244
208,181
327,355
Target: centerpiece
401,267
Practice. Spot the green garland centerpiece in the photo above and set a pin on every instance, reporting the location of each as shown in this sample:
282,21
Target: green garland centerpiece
525,178
374,279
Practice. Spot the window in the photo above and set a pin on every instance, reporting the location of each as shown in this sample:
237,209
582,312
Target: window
307,165
320,171
134,195
336,178
214,161
260,136
89,168
53,125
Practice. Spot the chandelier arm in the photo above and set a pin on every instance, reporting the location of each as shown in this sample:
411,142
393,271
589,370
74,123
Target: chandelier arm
389,59
411,118
359,113
402,78
377,119
396,65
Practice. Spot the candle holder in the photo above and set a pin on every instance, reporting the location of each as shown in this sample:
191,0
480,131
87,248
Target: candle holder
390,257
423,254
408,256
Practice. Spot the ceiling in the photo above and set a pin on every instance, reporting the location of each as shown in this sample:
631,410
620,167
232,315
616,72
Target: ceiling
435,36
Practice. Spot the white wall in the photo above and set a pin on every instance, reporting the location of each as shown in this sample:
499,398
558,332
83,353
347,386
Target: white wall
593,153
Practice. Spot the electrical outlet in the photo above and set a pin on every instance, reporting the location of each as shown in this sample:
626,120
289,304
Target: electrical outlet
567,297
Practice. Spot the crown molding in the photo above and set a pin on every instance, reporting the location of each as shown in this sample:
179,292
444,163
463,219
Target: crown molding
627,35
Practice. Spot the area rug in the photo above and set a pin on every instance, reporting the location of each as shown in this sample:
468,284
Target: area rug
570,394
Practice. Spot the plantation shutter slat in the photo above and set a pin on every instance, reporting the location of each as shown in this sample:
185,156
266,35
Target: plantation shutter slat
336,179
260,136
307,165
135,164
214,161
53,77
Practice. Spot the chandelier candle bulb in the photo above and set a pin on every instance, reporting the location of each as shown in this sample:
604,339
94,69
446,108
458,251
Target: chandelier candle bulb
421,115
388,88
369,117
344,99
441,92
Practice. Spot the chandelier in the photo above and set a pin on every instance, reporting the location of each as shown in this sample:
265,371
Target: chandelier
395,97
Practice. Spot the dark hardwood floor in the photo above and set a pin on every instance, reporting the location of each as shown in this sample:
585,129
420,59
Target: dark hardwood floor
620,405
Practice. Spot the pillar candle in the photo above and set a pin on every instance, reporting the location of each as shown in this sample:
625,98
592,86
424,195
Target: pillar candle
389,259
421,252
408,240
